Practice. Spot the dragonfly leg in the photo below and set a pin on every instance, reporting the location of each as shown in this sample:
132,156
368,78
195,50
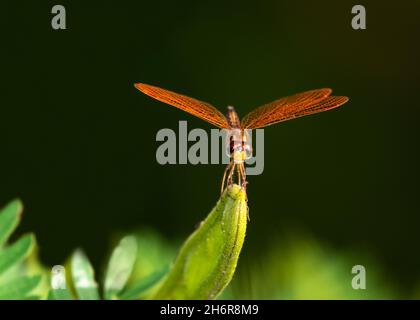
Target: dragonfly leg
224,177
231,173
239,173
243,175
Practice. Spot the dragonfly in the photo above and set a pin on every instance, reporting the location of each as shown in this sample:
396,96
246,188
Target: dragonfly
239,146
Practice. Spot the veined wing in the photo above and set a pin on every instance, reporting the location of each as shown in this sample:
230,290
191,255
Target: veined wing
200,109
291,107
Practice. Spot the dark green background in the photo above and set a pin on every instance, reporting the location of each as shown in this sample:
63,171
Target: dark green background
77,141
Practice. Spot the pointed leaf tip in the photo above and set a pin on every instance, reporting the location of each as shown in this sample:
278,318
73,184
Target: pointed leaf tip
120,266
208,258
9,219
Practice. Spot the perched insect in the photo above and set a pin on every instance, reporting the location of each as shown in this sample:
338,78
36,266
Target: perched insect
239,147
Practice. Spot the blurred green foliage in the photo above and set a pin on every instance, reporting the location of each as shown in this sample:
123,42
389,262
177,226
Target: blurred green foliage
300,267
20,274
82,284
204,265
295,267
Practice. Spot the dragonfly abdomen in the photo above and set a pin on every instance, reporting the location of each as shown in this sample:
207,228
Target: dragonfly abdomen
232,118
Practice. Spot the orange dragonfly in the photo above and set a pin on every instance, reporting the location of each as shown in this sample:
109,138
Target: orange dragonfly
240,149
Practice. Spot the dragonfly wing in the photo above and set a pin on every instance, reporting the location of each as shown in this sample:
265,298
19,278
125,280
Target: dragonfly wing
200,109
291,107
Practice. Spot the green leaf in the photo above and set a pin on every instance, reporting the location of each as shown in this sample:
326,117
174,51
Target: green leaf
9,219
16,252
120,266
83,277
208,258
19,288
139,288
